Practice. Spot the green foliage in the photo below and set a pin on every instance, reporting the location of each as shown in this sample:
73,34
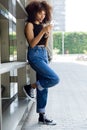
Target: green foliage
57,41
12,36
13,50
74,42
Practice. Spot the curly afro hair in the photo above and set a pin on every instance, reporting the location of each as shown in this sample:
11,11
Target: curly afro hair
36,6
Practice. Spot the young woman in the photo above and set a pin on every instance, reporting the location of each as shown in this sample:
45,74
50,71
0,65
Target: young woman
37,32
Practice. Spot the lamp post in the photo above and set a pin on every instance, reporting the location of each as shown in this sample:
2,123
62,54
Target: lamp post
62,42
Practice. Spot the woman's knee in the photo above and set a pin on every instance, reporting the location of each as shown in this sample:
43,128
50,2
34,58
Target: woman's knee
56,80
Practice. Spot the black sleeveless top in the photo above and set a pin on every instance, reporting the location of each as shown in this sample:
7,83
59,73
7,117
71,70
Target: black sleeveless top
37,29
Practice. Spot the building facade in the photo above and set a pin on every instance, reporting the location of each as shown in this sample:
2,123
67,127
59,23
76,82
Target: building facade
59,15
14,71
12,57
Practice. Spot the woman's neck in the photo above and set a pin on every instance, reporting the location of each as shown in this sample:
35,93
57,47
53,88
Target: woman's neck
37,22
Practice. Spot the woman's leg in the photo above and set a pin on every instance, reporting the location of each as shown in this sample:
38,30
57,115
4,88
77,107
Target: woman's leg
41,104
38,60
47,77
41,100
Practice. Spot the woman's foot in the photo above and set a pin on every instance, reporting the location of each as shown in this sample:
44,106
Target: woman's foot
29,92
44,120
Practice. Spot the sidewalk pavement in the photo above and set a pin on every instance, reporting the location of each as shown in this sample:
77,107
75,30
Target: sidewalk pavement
67,101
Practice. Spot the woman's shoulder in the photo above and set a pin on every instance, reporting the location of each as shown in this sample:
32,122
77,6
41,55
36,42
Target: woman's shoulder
29,25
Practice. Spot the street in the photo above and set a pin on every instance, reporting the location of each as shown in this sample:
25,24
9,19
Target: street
67,101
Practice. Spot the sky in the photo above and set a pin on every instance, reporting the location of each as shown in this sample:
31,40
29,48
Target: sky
76,15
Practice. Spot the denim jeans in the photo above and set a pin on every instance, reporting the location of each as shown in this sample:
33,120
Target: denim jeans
46,77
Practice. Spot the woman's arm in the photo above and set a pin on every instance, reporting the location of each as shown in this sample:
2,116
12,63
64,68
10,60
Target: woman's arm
33,41
47,35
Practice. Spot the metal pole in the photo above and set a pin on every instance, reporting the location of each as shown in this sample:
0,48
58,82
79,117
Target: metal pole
62,42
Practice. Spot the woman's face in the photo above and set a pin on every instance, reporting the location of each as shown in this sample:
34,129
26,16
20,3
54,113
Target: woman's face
40,16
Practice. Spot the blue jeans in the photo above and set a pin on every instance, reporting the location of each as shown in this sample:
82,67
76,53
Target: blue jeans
46,77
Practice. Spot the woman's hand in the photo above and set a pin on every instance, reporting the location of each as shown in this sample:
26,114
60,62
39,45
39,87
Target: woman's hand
47,28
